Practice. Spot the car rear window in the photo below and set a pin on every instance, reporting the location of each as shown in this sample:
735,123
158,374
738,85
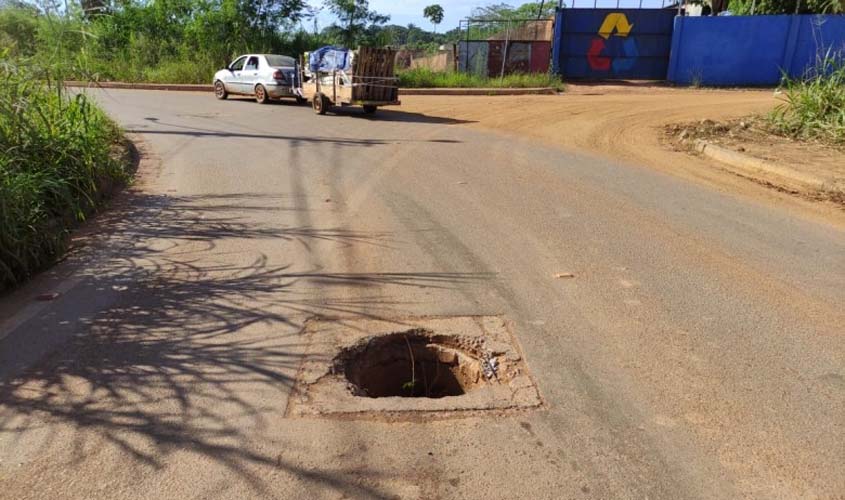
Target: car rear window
276,60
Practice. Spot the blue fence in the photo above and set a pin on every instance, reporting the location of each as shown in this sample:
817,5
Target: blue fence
751,50
612,43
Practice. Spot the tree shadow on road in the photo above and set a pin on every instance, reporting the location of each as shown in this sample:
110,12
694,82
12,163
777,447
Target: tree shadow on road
293,140
163,351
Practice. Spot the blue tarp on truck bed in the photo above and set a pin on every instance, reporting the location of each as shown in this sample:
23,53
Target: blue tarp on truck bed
327,59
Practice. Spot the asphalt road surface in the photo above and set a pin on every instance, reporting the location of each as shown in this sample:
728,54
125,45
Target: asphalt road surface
698,351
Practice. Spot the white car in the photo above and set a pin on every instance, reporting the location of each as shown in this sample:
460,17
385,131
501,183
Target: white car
264,76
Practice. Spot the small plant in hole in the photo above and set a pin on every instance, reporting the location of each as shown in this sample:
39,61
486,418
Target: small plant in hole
410,385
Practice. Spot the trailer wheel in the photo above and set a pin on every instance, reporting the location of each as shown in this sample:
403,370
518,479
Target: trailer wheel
370,109
320,103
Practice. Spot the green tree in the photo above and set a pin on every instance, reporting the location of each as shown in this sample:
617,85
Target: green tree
434,13
355,17
504,12
497,17
764,7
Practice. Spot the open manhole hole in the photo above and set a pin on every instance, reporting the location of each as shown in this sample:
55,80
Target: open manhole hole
450,365
412,364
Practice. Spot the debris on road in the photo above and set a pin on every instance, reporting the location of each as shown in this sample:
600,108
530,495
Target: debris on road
489,366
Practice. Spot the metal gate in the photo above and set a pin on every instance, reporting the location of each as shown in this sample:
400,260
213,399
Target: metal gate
613,43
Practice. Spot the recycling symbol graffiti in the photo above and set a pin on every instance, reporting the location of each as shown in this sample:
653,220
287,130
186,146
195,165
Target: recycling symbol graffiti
614,25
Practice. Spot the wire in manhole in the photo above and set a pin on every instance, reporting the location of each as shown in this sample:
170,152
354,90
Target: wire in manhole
413,364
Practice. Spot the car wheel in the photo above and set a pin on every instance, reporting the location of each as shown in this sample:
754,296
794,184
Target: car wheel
320,104
261,94
370,109
220,90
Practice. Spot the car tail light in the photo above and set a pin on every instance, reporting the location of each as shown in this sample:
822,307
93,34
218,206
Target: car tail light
278,75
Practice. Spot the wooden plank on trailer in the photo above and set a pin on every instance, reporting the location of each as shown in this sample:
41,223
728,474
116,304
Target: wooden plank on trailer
380,70
373,76
361,56
365,70
364,52
382,74
389,57
377,70
385,63
371,66
369,72
374,79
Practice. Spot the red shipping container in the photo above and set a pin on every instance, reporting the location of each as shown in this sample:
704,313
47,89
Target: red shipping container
541,54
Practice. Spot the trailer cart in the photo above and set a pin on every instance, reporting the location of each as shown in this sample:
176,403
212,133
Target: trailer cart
368,81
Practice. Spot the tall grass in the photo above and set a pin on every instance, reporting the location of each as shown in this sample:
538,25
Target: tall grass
426,78
814,106
179,71
57,161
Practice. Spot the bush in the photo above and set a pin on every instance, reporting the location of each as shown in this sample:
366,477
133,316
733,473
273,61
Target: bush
19,30
56,163
770,7
180,72
135,41
426,78
814,106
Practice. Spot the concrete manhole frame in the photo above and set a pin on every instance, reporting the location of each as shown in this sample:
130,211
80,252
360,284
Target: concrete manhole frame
322,389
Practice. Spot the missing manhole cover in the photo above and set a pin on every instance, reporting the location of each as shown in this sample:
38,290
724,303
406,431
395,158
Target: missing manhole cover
445,365
416,363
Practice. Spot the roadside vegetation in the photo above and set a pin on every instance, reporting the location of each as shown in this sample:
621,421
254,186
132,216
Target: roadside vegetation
814,106
426,78
59,159
186,41
135,41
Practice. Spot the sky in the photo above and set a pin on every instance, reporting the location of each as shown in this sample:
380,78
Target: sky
404,12
410,11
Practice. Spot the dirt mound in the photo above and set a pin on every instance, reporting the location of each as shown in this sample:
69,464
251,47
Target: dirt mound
752,136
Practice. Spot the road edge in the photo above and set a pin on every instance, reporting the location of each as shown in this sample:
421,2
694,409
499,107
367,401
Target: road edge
21,303
767,171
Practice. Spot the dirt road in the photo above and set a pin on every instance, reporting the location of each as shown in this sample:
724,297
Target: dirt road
696,352
623,123
609,120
